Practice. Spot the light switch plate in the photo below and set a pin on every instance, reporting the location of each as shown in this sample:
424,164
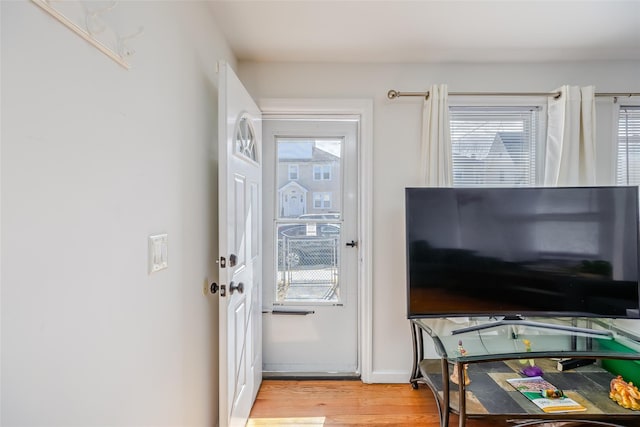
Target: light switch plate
158,252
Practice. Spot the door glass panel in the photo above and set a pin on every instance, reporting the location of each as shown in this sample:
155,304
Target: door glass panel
308,219
245,140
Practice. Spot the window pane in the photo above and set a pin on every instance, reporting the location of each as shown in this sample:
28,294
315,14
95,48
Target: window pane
322,200
293,172
308,256
494,146
628,162
308,221
326,172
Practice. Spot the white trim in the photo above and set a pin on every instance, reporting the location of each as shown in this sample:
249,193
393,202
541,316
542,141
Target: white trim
389,377
364,109
117,57
366,240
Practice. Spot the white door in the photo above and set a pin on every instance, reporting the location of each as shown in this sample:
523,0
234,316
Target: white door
240,268
310,317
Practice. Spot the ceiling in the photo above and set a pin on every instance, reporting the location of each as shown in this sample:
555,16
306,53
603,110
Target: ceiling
418,31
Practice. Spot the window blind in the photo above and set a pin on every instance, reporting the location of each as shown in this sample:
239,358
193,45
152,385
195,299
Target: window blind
628,162
494,146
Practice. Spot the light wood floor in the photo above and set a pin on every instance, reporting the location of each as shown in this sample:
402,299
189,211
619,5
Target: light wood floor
346,403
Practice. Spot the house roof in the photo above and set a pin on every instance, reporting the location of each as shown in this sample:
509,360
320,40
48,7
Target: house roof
513,143
295,150
304,152
293,184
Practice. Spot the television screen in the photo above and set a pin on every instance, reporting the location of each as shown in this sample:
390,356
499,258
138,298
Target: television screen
553,251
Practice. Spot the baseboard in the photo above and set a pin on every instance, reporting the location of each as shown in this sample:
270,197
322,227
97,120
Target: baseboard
375,377
389,377
309,376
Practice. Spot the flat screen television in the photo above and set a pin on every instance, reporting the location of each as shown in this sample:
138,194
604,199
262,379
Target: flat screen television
552,251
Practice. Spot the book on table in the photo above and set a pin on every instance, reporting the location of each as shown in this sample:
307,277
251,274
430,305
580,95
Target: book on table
536,389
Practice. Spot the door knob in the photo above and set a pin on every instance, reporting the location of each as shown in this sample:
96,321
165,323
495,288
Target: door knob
214,288
352,244
233,287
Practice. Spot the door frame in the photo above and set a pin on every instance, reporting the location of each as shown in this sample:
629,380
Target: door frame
364,109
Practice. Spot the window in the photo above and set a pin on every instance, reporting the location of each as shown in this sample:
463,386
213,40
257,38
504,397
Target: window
494,146
628,161
322,200
245,138
293,172
322,172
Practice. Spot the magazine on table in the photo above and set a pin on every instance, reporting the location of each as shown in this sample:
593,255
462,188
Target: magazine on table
545,395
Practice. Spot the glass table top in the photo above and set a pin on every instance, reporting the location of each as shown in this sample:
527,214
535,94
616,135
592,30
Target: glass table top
464,339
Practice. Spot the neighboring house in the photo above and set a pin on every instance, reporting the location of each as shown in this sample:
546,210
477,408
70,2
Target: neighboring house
509,159
504,159
308,179
628,157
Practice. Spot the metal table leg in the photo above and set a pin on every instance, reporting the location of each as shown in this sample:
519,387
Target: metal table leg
462,398
444,411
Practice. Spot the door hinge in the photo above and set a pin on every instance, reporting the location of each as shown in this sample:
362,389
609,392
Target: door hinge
223,290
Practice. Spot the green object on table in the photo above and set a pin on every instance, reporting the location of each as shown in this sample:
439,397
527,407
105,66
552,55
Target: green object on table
629,370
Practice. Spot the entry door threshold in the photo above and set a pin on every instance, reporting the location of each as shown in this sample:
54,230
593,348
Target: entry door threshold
310,375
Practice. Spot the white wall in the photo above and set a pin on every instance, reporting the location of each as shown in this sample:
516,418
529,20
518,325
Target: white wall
94,160
396,142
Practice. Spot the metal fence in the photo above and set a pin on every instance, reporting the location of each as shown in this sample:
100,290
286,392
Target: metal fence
308,269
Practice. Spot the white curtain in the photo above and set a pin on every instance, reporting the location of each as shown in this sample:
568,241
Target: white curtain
571,129
435,153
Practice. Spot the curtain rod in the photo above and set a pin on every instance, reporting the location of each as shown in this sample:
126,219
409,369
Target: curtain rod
393,94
